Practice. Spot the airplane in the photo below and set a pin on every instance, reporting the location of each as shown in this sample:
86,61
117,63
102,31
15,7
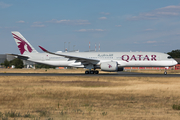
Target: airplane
105,61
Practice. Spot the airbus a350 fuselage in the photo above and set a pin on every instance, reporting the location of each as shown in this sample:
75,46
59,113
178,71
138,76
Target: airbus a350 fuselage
124,59
106,61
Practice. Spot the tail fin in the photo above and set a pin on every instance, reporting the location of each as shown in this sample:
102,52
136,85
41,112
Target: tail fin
23,45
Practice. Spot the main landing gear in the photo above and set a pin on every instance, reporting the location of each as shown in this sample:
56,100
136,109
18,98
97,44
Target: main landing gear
91,72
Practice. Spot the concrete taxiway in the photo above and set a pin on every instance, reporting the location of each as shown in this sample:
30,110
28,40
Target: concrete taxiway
124,74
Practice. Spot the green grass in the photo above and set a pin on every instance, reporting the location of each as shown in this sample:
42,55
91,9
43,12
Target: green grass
176,107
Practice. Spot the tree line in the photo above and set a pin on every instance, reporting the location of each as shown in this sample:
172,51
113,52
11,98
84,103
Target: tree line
174,53
18,63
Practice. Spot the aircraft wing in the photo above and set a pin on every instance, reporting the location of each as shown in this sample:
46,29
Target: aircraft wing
78,59
20,56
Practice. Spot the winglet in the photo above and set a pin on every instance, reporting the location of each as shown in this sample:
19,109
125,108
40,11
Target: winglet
43,49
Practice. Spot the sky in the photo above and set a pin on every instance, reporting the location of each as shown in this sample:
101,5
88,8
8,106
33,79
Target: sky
118,25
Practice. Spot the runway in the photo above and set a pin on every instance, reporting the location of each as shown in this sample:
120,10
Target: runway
119,74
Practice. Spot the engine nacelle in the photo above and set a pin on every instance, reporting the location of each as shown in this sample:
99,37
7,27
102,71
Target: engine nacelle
111,67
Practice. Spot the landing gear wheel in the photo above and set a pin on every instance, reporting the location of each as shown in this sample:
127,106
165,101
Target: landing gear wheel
96,72
86,72
91,72
165,73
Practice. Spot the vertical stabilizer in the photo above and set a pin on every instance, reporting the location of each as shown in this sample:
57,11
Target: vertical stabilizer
23,45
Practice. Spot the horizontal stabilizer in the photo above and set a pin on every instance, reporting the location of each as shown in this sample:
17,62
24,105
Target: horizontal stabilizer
20,56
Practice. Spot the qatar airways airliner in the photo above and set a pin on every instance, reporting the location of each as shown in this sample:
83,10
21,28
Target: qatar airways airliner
105,61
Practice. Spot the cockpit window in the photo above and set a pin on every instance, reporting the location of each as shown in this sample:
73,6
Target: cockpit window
169,57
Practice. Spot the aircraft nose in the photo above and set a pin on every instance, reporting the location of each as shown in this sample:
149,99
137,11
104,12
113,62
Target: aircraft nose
175,62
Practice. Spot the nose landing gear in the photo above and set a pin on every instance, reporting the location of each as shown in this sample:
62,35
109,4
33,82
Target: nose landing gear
165,72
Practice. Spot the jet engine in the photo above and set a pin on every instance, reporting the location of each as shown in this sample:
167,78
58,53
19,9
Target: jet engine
111,67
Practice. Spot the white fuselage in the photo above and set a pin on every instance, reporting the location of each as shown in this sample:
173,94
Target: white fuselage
124,59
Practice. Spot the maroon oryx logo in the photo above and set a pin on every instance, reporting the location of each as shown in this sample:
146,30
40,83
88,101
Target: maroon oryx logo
22,44
109,66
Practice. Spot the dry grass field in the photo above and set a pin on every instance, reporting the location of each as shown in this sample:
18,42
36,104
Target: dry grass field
156,71
92,98
45,71
80,70
42,70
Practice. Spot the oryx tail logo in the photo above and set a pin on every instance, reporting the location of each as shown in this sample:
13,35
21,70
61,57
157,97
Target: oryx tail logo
109,66
22,45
